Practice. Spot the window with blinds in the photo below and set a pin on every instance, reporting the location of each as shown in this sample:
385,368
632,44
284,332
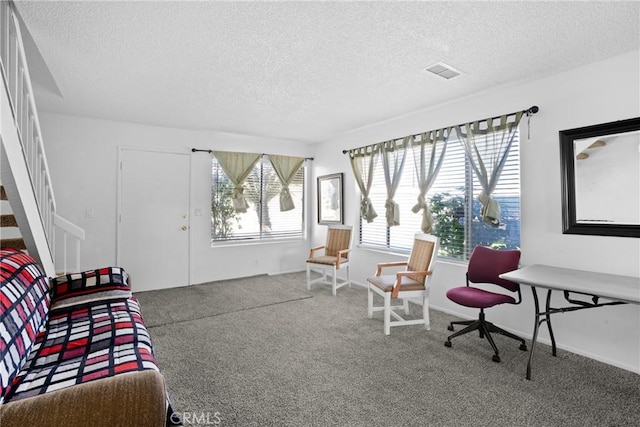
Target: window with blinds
263,219
453,203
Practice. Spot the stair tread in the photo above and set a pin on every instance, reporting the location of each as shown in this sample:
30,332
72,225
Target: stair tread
8,220
17,243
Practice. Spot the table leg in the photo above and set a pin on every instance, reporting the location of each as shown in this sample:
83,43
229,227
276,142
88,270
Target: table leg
548,319
538,322
536,327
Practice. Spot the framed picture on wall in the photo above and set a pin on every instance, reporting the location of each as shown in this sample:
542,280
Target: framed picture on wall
330,199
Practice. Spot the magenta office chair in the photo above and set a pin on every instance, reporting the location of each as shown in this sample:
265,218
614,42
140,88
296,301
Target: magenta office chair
485,267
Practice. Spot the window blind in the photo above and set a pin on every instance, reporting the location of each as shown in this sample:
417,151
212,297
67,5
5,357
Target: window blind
263,219
454,204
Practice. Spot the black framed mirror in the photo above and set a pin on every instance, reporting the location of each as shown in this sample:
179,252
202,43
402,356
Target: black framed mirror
600,167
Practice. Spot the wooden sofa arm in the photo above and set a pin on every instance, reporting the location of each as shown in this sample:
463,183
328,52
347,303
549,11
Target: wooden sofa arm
132,399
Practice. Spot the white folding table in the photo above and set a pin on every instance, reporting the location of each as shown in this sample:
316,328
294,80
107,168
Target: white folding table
574,284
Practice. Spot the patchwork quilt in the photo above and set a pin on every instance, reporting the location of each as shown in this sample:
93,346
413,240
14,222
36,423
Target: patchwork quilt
84,343
24,307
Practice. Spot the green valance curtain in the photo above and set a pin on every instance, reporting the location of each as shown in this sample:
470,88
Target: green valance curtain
394,153
363,161
286,168
393,157
432,146
486,145
237,166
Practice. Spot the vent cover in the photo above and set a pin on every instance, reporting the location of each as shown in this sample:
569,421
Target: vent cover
443,70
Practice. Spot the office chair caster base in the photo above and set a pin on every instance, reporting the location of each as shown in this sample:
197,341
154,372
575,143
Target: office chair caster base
447,343
450,327
523,347
496,358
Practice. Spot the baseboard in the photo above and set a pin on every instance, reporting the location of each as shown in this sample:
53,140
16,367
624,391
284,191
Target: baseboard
277,273
547,341
353,282
360,284
635,369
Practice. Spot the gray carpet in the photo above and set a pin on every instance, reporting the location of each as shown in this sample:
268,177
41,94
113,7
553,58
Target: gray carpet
263,351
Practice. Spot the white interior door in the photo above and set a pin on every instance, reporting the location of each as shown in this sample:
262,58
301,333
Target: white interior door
153,218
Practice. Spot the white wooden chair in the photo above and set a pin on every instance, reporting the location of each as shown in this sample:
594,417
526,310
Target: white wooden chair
408,285
332,256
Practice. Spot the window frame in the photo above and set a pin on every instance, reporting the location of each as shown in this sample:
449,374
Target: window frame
260,236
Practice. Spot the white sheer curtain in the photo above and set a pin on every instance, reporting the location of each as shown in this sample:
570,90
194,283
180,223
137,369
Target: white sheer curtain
393,157
362,162
486,145
286,168
428,157
237,166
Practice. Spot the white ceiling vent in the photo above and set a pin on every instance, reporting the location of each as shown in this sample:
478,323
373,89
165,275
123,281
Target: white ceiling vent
443,70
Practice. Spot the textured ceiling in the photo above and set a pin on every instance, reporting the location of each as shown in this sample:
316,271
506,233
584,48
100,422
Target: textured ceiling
303,71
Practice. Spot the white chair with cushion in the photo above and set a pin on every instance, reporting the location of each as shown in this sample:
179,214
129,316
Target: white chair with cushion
409,285
332,256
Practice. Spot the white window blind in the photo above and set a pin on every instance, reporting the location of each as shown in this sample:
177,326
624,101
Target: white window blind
263,219
453,203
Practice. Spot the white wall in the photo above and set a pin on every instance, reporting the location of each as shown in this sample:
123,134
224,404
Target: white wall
83,154
589,95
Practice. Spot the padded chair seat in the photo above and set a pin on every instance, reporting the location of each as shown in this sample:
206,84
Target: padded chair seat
325,260
477,298
385,282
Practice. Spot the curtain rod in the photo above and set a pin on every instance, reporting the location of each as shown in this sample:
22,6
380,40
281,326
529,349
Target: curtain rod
195,150
529,111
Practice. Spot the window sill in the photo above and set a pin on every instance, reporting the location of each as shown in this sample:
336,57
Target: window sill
254,242
399,253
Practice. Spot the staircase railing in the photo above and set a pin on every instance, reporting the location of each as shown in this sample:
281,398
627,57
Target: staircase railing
17,84
68,231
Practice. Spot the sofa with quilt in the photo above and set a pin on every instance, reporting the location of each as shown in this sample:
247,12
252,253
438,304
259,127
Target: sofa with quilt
74,350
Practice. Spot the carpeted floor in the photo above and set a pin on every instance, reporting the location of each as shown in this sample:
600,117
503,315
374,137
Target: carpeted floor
263,351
